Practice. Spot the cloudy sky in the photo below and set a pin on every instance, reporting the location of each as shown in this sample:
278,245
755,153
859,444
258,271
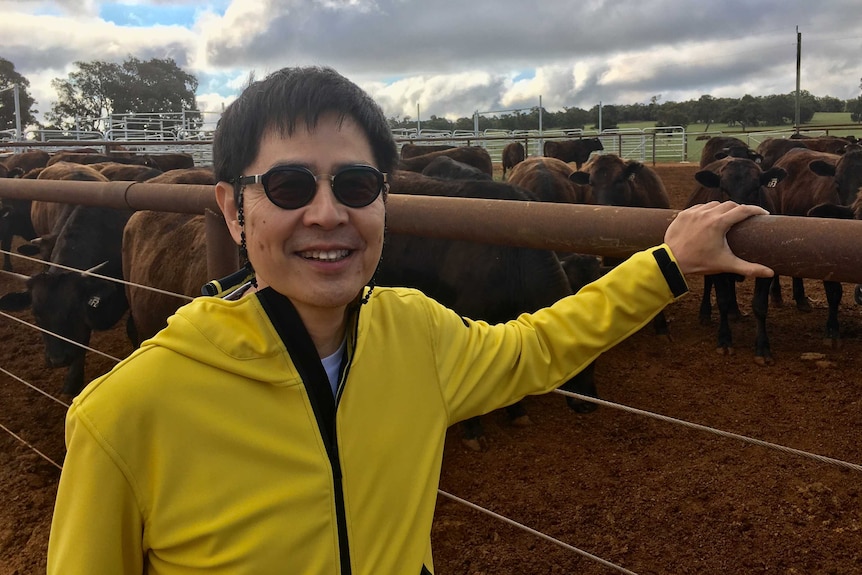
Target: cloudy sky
452,57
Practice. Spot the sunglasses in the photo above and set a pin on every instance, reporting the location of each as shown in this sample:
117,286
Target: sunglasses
291,187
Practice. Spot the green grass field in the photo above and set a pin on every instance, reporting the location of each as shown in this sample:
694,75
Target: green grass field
820,124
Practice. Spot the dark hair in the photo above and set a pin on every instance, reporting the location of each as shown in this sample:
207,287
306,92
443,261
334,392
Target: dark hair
291,97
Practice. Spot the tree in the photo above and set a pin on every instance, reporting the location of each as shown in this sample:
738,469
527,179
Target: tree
98,89
855,106
10,77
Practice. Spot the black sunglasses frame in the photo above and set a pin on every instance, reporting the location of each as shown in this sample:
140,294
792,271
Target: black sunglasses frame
309,193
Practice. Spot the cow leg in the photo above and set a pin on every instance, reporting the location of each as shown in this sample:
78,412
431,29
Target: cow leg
518,415
6,245
74,382
760,305
723,294
733,312
659,323
473,434
583,383
802,303
834,291
775,292
705,314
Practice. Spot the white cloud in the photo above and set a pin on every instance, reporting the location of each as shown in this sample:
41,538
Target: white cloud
453,57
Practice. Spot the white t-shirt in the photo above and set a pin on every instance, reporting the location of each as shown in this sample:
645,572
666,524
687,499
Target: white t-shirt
332,365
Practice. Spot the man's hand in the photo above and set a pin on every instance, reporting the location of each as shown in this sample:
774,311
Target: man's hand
697,238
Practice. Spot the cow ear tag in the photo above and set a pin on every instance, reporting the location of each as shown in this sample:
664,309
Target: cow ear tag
94,301
772,183
631,177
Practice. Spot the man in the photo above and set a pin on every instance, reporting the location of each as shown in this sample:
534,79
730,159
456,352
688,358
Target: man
300,427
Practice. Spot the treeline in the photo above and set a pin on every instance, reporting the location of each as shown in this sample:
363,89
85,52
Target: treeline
743,113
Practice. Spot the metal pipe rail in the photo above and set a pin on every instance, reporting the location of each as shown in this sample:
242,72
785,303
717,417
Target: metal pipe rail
814,248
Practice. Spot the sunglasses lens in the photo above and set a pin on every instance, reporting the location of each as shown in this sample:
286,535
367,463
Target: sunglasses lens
357,187
290,188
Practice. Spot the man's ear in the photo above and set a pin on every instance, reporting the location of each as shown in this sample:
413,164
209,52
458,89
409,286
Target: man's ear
225,200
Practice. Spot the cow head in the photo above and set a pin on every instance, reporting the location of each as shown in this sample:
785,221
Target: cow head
70,305
741,180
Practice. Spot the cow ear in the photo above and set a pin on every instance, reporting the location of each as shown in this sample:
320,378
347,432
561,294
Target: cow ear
822,168
776,174
582,178
15,301
708,179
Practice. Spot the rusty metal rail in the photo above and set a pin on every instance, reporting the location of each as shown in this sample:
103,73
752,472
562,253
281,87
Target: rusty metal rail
792,246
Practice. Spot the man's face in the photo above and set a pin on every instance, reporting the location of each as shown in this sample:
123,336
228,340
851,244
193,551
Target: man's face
322,254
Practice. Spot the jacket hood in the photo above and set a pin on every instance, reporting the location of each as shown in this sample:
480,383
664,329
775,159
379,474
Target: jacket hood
232,336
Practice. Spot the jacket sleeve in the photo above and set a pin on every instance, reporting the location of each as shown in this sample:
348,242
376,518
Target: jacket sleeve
97,527
484,367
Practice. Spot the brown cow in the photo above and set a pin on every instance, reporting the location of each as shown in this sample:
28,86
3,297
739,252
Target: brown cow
773,148
166,251
548,180
740,180
470,155
577,151
78,158
118,172
618,182
816,179
513,154
409,150
719,147
48,217
29,160
170,161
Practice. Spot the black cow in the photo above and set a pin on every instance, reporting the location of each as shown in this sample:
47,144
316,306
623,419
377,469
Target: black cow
14,219
477,280
409,150
446,168
577,151
740,180
719,147
618,182
473,155
513,154
70,303
814,179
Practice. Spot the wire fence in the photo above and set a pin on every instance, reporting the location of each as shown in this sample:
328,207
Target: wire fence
853,467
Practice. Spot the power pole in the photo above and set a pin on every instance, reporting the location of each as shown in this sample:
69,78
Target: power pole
798,69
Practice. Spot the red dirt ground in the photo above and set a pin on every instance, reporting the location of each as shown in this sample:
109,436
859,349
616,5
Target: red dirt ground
651,496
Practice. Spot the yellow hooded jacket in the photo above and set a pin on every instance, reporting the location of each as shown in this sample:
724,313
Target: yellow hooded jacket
206,452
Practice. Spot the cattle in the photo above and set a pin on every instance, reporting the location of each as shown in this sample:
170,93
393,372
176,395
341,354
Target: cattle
740,180
119,172
548,180
72,304
165,251
817,178
772,149
409,150
614,181
79,158
719,147
26,161
513,154
577,151
471,155
477,280
170,161
14,219
446,168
